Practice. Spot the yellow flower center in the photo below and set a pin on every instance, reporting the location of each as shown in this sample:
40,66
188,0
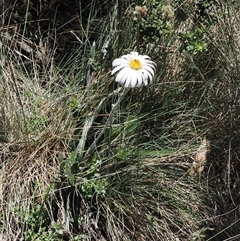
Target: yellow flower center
135,64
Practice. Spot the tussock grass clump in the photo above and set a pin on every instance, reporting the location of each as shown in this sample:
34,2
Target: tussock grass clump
36,131
85,159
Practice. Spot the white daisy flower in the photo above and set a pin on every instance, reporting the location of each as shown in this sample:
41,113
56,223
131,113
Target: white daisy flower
134,70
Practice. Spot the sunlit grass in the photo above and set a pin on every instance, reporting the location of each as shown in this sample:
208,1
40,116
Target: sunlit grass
84,159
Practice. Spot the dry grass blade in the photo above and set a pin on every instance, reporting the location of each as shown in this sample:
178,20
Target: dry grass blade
200,159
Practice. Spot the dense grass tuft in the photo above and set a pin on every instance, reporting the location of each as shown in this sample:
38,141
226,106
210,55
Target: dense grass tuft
85,159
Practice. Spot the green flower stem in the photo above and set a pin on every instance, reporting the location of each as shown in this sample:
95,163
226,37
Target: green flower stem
109,120
89,121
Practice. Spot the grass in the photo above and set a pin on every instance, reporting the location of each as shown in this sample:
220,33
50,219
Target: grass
85,159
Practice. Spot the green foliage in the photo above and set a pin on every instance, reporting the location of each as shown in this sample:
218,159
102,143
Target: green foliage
93,184
36,123
70,167
154,19
34,221
74,103
193,41
88,178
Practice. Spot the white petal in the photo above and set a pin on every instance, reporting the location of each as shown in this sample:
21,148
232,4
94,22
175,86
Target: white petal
134,78
122,75
145,82
128,81
126,57
149,69
119,62
149,63
144,57
139,78
118,68
134,53
147,76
